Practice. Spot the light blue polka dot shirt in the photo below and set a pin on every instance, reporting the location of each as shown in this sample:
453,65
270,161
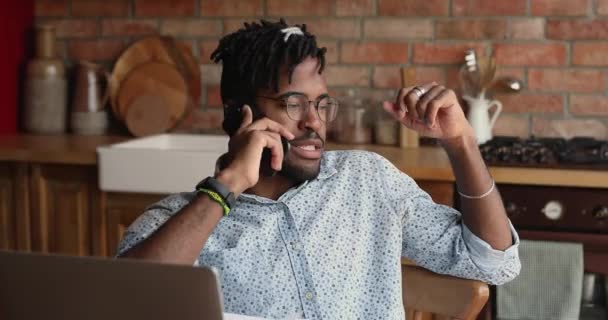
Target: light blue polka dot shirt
330,248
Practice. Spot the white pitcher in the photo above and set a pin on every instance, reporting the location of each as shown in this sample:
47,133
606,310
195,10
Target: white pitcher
479,116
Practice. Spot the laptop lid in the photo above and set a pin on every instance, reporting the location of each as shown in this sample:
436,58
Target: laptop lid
53,287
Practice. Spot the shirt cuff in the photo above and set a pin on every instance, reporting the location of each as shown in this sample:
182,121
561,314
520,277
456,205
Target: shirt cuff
486,258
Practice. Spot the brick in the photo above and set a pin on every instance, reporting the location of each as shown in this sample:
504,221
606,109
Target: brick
414,8
531,102
452,79
75,28
566,80
231,8
578,29
331,28
568,128
50,8
502,71
198,119
355,7
374,52
530,54
527,28
471,29
214,97
163,8
206,48
233,25
211,73
602,7
347,76
97,8
488,8
124,27
282,8
596,105
95,50
559,7
443,53
397,28
590,53
512,125
390,77
331,56
194,28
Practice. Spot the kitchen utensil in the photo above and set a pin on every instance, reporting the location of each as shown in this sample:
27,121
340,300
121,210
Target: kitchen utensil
487,70
155,49
505,85
162,80
470,75
148,114
45,96
479,117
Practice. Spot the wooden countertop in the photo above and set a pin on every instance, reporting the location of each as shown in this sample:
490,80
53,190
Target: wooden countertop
61,149
424,163
432,163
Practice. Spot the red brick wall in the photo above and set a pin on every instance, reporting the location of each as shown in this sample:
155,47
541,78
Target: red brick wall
559,48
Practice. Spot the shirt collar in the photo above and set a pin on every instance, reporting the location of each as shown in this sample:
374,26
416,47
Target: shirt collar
326,171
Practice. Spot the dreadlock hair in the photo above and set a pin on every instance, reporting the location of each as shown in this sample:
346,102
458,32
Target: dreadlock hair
252,58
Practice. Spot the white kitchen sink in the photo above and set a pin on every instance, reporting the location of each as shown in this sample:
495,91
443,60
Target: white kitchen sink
166,163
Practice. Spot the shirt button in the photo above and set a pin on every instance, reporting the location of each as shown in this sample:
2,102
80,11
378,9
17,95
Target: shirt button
309,295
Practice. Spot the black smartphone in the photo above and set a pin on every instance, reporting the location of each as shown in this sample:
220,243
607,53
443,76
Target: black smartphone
265,166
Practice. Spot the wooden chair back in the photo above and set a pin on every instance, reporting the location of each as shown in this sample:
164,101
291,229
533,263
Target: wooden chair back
431,296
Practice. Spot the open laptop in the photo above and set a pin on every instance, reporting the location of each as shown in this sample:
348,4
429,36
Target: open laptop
52,287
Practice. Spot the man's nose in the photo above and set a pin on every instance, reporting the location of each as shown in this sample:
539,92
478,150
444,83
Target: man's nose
311,118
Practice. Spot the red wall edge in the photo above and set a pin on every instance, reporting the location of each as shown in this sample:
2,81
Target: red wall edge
16,18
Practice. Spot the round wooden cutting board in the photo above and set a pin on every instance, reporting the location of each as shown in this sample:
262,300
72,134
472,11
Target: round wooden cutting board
162,49
159,79
147,115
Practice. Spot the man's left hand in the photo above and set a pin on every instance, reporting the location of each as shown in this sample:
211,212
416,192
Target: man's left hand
431,110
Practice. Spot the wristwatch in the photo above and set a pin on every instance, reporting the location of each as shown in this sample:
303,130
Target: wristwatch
212,184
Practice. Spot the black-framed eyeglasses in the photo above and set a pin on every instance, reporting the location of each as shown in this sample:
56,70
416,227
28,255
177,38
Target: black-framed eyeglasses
297,106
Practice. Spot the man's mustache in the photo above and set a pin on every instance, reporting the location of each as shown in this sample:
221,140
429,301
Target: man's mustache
309,135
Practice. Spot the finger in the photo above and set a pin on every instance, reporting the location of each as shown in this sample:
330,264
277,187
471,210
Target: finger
412,98
392,109
273,142
247,118
266,124
400,103
428,97
443,100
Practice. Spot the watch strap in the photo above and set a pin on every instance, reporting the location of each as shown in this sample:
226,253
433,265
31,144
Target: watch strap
210,183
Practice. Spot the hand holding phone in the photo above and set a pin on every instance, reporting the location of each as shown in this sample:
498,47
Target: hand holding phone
257,147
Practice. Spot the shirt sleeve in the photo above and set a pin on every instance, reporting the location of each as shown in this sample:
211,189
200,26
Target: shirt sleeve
151,220
434,236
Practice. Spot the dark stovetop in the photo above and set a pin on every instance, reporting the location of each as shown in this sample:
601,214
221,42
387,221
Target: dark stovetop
576,153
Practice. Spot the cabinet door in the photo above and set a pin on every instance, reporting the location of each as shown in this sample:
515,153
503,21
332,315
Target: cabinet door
441,191
63,200
14,206
121,210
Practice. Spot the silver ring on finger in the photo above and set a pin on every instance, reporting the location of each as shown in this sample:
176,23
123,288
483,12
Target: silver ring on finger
419,91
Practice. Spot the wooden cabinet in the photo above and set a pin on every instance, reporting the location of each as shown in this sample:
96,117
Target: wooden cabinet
65,203
14,207
121,210
441,191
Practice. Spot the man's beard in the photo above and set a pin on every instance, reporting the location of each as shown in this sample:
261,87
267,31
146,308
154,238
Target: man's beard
301,173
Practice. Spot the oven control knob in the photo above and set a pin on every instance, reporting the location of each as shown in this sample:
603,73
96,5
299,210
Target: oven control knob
600,213
511,209
553,210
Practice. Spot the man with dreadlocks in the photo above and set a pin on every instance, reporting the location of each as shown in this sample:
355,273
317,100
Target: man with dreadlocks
318,234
